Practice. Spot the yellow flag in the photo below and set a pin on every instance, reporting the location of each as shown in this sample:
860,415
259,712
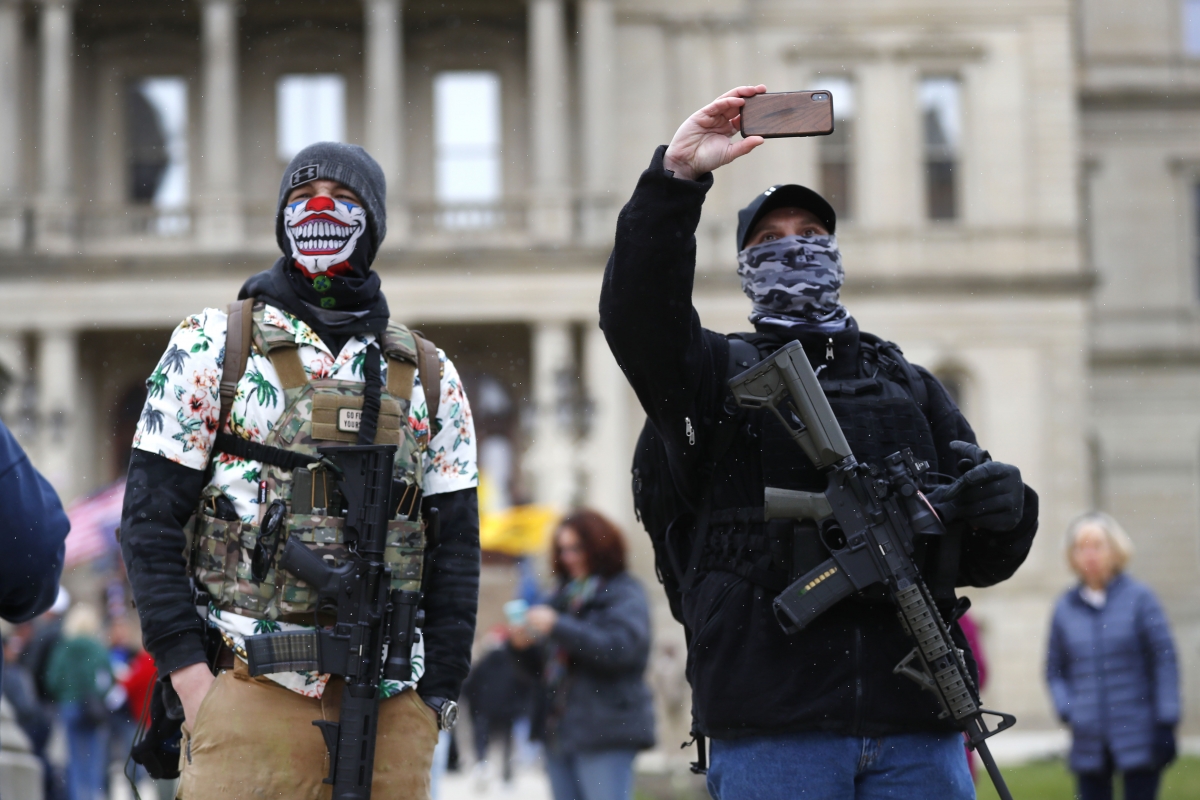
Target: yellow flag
517,531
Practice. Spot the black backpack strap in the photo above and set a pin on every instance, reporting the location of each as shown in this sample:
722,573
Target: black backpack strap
891,359
238,332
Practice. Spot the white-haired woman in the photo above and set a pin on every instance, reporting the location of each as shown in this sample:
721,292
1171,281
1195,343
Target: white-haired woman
1111,667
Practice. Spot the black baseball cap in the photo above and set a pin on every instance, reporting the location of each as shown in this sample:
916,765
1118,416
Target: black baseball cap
784,195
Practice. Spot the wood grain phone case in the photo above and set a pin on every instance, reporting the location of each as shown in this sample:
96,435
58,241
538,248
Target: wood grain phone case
779,114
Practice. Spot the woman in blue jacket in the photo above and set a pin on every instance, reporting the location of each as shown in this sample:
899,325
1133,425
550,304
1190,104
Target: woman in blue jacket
1111,667
595,643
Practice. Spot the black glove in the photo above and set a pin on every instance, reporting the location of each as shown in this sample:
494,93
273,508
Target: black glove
989,494
1164,744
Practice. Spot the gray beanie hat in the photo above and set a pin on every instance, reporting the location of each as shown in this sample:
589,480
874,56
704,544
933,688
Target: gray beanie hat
347,164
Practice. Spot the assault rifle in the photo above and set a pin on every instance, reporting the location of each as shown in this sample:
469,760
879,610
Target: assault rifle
371,618
869,520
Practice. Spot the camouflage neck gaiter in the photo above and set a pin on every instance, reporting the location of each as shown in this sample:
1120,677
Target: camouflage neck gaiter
794,280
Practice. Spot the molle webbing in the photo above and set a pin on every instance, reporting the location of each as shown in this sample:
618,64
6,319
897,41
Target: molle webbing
739,541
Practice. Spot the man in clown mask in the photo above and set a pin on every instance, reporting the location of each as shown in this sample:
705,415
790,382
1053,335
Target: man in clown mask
225,450
821,712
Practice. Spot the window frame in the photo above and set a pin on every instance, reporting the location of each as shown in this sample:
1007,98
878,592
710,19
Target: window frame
277,87
495,157
959,149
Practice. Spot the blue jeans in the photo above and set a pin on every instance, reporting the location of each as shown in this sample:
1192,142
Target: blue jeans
827,766
87,765
603,775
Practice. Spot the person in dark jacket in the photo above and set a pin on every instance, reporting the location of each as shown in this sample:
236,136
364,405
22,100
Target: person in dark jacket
593,642
821,709
33,532
498,693
1111,667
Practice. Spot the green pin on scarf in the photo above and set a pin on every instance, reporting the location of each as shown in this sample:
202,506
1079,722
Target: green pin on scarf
328,302
322,284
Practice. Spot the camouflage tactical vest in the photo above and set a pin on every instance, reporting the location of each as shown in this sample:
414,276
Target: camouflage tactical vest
316,412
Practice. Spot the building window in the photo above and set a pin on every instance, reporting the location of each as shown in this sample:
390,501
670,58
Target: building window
466,125
1191,28
157,138
941,118
308,108
837,149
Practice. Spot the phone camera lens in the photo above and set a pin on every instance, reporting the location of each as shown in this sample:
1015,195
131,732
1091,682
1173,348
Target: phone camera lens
820,97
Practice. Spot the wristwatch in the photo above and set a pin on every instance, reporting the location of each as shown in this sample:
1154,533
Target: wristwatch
446,710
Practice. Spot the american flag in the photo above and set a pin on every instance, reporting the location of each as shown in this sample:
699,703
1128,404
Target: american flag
94,522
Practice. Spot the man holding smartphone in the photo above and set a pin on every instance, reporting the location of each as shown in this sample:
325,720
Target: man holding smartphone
820,712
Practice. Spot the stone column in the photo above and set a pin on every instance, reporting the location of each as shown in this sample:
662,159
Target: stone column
219,223
12,216
383,101
597,73
56,200
13,363
58,388
889,148
549,191
608,451
550,456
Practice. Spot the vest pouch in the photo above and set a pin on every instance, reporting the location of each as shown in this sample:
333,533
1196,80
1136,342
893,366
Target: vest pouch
218,546
322,535
404,552
336,417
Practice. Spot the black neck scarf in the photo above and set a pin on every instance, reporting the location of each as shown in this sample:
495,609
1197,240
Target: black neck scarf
336,307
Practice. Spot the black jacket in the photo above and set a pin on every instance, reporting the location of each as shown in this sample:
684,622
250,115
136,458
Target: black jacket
747,677
602,703
161,495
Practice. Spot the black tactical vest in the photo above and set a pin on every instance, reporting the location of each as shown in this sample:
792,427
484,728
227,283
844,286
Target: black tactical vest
879,413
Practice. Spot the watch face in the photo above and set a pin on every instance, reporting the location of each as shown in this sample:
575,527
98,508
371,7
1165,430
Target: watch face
449,715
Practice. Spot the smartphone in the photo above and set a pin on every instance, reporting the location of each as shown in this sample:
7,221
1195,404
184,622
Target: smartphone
515,611
780,114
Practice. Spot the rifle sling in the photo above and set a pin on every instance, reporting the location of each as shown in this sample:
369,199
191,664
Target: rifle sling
256,451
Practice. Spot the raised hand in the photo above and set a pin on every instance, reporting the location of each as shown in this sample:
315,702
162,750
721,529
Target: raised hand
704,141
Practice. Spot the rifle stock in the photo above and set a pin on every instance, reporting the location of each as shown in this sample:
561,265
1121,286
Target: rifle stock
785,385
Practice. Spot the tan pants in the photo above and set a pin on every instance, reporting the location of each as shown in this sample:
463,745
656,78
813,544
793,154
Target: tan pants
255,739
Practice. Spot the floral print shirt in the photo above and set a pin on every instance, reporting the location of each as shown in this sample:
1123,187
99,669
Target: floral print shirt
179,422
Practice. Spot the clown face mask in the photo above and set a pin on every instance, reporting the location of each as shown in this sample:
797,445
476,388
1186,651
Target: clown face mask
323,231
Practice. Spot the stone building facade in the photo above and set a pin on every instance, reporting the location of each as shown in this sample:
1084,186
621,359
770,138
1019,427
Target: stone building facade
141,143
1139,100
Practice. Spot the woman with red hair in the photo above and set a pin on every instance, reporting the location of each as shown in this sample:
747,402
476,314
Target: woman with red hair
589,645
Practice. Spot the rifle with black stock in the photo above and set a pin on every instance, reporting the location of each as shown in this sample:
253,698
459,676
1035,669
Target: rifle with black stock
371,618
869,520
